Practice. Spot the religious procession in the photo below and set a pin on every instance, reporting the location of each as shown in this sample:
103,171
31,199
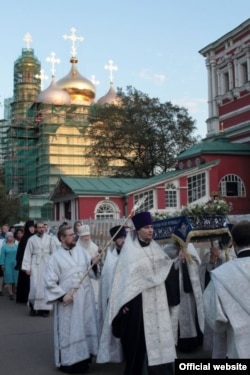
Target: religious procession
147,296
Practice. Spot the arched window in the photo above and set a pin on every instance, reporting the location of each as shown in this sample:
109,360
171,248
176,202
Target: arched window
106,211
232,186
171,196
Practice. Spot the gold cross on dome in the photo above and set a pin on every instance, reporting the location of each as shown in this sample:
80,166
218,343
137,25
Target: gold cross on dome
110,66
74,39
53,60
28,39
42,77
94,80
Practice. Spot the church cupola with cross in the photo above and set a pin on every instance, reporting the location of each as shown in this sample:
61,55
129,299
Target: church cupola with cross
111,96
81,90
53,94
27,83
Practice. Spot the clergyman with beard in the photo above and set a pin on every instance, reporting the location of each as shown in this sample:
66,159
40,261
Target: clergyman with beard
71,292
85,242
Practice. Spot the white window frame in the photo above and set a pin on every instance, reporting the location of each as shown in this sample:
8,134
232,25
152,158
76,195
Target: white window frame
106,210
197,187
243,70
225,82
171,190
148,204
243,78
232,178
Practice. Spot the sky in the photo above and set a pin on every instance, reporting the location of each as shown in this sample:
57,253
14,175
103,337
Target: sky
154,45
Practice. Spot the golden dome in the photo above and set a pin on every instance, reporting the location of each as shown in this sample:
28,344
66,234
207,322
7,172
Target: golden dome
109,98
54,95
80,89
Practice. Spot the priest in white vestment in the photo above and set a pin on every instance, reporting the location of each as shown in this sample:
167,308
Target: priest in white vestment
38,249
227,297
110,349
139,305
69,288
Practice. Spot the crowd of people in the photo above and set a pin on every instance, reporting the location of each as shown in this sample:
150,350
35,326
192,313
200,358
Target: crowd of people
134,301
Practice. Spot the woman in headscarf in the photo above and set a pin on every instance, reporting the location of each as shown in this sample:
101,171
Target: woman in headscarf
23,282
7,262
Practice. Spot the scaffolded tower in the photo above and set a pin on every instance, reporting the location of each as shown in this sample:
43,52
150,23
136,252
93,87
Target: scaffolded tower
19,135
44,134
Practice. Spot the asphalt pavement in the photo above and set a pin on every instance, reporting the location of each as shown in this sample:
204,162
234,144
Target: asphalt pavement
26,344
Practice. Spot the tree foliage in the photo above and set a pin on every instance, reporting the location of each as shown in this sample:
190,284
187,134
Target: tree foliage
140,137
9,207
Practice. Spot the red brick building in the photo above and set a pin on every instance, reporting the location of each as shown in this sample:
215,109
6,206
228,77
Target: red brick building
220,163
228,68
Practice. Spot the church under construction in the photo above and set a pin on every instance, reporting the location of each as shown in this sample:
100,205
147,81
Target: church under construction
44,134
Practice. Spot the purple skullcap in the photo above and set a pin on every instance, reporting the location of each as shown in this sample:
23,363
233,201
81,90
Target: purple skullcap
121,233
142,219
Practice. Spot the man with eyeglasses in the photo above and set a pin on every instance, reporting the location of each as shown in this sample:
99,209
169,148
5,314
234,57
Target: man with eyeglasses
69,288
38,249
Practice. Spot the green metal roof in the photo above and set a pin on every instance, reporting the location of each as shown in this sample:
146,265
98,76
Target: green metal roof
220,146
230,132
93,186
100,185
